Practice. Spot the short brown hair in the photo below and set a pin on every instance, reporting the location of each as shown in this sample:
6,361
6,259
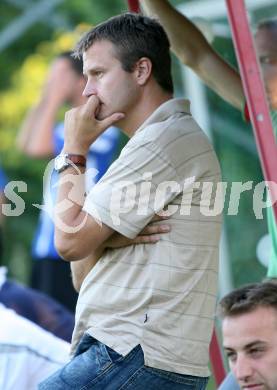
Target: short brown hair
247,298
268,24
134,36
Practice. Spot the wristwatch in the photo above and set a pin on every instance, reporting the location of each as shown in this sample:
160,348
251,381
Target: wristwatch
65,160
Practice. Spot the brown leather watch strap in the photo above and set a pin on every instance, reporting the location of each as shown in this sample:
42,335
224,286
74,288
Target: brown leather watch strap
77,159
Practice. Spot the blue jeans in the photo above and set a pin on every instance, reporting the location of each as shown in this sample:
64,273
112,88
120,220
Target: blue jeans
96,366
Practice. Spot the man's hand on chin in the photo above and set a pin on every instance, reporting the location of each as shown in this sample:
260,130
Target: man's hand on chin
82,127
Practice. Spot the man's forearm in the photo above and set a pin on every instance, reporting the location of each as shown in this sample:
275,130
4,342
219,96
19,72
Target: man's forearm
81,268
69,217
77,233
187,42
192,48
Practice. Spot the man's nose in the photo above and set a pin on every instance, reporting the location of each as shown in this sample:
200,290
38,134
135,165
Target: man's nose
243,368
89,90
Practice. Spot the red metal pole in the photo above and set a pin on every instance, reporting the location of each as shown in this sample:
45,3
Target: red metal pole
216,360
133,5
255,93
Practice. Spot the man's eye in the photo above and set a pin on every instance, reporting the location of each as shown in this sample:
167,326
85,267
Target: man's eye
256,352
231,356
99,74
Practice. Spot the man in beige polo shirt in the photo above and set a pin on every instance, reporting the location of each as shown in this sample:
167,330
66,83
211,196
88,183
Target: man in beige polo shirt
145,313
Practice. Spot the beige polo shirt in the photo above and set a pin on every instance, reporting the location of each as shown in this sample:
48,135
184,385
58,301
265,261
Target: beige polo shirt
161,296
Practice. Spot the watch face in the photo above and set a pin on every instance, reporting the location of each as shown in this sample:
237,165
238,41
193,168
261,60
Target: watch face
60,162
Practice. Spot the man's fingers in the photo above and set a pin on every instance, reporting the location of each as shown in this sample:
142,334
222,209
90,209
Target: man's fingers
151,239
154,229
90,110
159,218
90,106
107,122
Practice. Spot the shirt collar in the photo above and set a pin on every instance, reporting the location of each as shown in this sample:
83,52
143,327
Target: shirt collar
165,110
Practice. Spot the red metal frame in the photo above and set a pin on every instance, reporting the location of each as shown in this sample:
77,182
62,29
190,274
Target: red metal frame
217,364
254,92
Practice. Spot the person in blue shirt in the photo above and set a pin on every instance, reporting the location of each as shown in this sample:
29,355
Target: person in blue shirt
42,136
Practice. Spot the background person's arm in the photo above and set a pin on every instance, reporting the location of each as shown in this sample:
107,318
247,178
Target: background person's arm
35,137
193,50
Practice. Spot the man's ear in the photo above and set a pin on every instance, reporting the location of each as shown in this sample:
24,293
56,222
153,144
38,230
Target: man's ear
143,70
